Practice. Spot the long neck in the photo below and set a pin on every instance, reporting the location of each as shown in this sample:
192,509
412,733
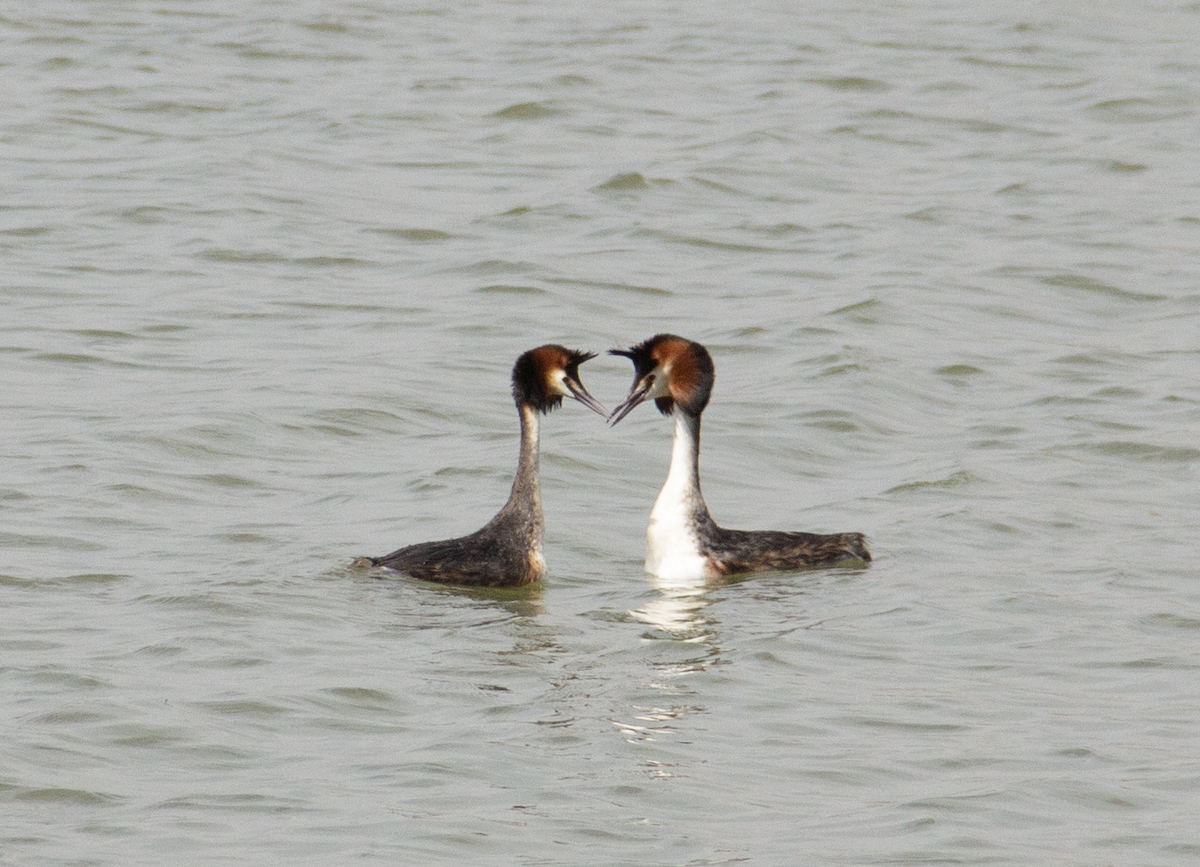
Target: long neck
683,479
526,497
679,521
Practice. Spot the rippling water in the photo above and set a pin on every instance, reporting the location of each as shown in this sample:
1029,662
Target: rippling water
266,273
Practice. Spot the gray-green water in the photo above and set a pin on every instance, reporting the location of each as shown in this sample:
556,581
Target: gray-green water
266,272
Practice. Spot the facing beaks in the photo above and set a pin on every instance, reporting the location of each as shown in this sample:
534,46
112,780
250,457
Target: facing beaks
581,394
635,397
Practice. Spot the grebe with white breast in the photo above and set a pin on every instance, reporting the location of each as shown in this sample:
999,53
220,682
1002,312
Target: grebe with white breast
683,541
507,552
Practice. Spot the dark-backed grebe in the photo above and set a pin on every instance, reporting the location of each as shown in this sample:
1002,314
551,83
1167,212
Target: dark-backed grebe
683,541
507,552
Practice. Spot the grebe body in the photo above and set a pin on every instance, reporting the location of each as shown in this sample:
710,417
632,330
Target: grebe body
683,542
507,551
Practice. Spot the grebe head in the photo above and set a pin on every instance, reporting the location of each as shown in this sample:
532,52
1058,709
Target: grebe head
542,377
671,370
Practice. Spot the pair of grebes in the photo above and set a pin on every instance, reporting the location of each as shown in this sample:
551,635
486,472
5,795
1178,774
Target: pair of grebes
684,543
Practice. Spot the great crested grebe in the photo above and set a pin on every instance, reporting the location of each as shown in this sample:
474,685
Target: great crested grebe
683,541
507,552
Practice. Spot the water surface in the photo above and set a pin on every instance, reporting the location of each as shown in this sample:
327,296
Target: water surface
266,273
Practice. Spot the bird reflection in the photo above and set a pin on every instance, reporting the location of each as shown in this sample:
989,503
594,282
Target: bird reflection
678,611
465,606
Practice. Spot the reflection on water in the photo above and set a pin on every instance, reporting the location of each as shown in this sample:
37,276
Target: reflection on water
507,603
677,609
653,723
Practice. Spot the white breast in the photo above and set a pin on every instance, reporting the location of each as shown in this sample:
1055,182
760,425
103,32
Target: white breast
672,546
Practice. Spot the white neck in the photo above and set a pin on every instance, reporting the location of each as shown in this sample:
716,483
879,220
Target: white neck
673,545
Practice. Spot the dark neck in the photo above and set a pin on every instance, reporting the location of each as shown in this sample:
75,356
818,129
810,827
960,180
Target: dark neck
525,501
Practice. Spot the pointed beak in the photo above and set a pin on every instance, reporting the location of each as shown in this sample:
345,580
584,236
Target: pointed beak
640,390
581,394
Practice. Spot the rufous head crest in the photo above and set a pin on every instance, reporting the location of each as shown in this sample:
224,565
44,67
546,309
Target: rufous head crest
671,370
